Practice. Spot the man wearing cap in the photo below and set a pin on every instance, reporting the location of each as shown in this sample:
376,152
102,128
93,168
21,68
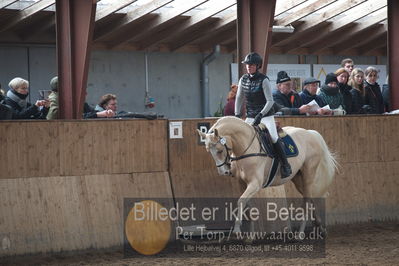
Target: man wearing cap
308,94
286,97
255,88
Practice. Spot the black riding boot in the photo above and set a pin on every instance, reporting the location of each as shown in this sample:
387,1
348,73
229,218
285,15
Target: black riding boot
285,166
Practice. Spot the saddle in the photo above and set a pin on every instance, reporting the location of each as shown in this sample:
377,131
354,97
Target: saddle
290,148
266,143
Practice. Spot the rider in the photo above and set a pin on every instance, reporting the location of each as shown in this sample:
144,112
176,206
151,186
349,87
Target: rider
255,87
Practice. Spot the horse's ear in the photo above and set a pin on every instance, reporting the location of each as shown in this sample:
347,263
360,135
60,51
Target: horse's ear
215,131
202,134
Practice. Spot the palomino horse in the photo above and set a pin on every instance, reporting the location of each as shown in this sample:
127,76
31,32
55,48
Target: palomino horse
313,169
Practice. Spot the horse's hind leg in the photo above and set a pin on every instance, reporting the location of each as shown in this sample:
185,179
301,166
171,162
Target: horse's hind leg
303,183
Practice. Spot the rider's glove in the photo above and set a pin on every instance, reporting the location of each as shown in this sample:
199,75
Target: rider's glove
257,119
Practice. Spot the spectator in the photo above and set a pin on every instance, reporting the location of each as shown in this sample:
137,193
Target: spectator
373,96
308,94
286,97
17,99
330,92
100,111
5,110
356,81
107,102
348,64
53,98
345,89
385,95
231,99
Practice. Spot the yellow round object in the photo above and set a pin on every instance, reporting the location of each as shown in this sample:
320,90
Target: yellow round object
146,231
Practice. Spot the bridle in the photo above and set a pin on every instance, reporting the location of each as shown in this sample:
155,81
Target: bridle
228,159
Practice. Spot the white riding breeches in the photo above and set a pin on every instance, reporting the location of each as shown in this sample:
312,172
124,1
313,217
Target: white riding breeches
269,122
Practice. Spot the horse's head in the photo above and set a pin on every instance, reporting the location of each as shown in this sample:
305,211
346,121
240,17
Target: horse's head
217,146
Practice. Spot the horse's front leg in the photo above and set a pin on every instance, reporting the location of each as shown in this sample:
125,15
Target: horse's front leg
250,191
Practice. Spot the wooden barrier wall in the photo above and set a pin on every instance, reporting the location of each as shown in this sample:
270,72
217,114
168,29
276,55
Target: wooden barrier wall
367,148
62,183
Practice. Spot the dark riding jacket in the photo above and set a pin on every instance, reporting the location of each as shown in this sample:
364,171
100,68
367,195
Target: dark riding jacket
254,95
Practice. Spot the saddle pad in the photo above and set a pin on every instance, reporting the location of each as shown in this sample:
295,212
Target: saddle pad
290,148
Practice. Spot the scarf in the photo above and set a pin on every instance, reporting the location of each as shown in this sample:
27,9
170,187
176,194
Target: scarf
330,91
19,98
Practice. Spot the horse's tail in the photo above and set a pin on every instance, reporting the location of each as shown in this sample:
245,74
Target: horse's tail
327,167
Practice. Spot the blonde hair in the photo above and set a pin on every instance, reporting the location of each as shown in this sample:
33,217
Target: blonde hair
17,82
351,82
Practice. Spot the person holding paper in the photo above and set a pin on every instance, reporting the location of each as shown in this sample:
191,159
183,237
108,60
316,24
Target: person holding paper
310,98
286,97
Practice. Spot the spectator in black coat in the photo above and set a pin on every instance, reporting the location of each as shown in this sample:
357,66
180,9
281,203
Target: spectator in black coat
286,97
345,89
373,96
356,81
17,99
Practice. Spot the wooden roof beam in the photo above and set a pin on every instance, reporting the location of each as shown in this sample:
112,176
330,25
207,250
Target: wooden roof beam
363,38
314,22
158,21
373,44
215,28
333,27
44,24
217,6
286,5
227,35
303,12
338,38
112,8
26,13
130,17
4,3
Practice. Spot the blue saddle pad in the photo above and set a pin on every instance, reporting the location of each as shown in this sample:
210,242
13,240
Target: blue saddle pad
290,148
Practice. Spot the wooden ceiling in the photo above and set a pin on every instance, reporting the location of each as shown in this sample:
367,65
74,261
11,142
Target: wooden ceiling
348,27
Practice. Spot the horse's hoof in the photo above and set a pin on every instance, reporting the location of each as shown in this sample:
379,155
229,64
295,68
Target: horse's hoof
300,236
323,232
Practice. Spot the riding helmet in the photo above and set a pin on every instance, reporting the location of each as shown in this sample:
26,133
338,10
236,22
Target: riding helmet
253,58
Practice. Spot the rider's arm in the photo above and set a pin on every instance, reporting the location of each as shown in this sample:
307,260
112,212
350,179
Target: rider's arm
267,90
239,100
